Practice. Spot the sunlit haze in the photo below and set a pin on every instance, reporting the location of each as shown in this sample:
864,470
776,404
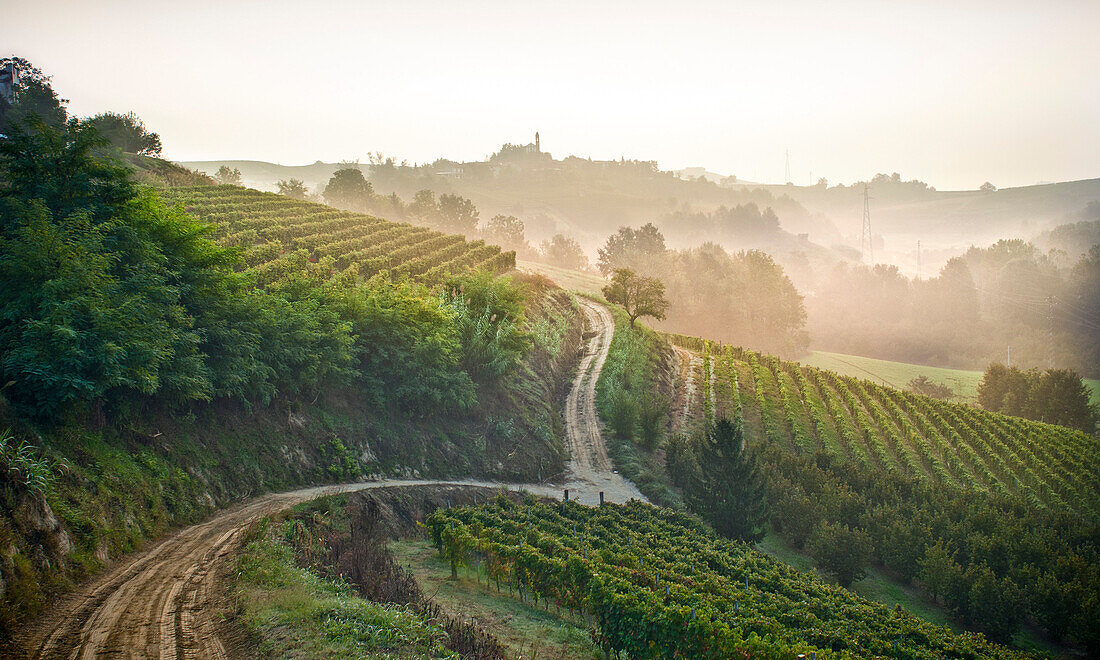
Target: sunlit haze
952,93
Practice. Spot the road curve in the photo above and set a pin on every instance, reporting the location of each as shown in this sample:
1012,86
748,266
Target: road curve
159,603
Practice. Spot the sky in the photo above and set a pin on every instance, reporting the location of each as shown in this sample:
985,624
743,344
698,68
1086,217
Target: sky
953,93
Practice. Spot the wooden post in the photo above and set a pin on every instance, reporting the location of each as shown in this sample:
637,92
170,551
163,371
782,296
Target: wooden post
601,498
566,495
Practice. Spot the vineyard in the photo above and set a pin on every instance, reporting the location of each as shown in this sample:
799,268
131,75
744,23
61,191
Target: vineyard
882,428
279,236
995,515
654,583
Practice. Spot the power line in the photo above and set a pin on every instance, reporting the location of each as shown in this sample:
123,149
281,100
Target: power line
865,233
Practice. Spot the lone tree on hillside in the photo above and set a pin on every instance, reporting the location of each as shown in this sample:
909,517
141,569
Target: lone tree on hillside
729,490
224,176
639,296
565,252
348,189
295,189
127,132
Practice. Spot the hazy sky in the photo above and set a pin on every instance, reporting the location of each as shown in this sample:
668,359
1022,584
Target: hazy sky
953,93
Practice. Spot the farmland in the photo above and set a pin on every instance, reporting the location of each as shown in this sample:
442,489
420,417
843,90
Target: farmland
660,584
278,236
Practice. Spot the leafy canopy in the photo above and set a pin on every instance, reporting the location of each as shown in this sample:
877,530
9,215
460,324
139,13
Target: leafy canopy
639,296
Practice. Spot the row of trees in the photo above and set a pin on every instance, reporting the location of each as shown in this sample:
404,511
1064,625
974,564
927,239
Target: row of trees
744,298
1055,396
1009,296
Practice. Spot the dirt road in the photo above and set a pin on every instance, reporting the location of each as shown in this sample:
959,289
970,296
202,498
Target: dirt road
589,470
159,603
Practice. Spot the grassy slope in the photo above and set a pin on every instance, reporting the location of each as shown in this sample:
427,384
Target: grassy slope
573,280
897,374
528,630
292,613
122,485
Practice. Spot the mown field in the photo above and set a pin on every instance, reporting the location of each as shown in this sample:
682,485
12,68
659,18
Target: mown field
279,235
897,374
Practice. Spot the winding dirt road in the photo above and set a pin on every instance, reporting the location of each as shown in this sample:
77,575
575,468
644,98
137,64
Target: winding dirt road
161,603
589,470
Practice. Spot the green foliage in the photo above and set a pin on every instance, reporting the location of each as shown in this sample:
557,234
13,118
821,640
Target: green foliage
21,469
489,317
622,415
1056,396
348,189
639,296
228,177
298,614
632,375
35,100
651,421
637,249
564,252
506,231
659,584
408,346
730,491
282,236
294,189
938,487
842,552
925,386
126,132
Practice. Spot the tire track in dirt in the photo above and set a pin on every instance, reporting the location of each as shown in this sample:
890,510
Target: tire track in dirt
589,468
161,603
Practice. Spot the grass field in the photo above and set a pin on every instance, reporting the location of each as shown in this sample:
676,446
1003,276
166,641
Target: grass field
897,374
573,280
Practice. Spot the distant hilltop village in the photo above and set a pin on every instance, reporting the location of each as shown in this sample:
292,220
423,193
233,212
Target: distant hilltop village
525,157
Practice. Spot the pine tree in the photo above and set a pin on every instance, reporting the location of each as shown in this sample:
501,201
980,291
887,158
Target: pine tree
729,492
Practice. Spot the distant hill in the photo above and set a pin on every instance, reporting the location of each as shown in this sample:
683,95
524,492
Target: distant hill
904,212
590,199
581,197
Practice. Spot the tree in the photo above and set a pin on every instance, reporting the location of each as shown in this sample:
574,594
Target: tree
1061,397
295,189
925,386
457,214
639,296
505,231
842,551
995,604
34,98
225,176
987,187
729,492
423,207
938,570
632,248
1056,396
348,189
127,132
564,252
